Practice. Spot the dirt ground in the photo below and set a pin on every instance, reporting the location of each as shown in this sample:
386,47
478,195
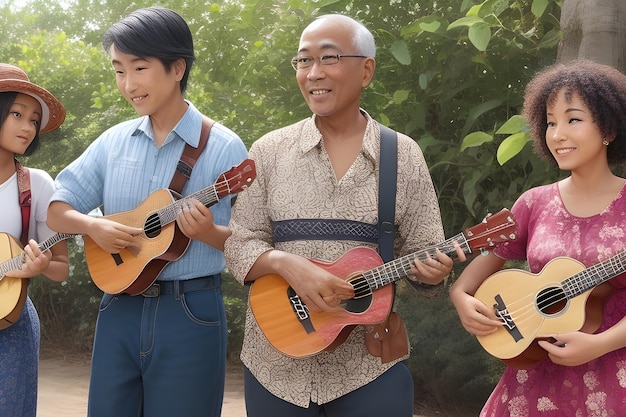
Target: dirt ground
64,382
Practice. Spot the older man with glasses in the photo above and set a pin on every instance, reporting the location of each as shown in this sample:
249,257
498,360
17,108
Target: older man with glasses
316,198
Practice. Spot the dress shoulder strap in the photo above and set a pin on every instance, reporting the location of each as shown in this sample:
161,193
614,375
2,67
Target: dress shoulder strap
25,198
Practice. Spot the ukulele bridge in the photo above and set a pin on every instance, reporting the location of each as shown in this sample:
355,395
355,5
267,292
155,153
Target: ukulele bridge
300,310
504,315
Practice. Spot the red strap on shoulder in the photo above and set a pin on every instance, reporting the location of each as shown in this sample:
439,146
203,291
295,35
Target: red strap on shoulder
189,157
25,197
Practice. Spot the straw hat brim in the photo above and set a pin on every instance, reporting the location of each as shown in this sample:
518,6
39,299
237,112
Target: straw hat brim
53,112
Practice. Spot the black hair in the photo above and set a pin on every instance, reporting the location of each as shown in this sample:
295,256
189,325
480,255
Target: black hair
7,99
154,32
602,89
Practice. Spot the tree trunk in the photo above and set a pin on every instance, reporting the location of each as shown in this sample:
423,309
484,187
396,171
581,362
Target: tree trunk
595,30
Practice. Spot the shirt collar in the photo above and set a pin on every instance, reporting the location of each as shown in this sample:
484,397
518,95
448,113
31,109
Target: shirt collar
312,137
188,127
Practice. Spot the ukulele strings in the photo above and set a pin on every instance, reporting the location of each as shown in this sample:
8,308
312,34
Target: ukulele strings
47,244
13,264
205,196
16,262
400,268
524,308
569,288
374,278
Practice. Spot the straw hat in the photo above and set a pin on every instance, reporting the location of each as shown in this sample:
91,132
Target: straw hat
13,78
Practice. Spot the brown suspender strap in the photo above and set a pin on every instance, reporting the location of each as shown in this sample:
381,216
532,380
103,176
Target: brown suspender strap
23,187
190,156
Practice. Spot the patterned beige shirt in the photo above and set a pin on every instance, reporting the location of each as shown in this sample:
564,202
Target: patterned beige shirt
295,180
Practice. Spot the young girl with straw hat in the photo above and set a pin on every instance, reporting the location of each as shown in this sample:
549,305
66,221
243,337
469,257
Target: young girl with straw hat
26,111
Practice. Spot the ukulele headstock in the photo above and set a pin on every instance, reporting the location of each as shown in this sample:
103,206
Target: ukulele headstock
493,230
236,179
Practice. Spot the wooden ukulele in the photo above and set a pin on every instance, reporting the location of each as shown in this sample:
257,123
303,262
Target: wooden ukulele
297,332
564,297
134,269
13,290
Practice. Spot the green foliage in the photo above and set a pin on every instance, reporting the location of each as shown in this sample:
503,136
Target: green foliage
451,74
70,70
470,82
235,302
451,371
68,310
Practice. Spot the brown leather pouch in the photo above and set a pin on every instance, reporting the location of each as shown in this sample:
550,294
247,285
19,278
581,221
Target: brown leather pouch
387,340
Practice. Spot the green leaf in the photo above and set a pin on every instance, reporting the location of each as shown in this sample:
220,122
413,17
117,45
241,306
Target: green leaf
432,27
475,139
539,7
468,21
482,108
511,146
493,7
493,21
474,10
431,24
515,124
470,187
384,119
413,28
400,96
466,5
476,111
400,51
550,39
480,35
423,81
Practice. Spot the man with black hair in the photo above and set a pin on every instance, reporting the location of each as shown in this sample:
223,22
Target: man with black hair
161,353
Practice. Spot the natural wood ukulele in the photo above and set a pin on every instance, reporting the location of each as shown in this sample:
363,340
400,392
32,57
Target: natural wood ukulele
295,331
133,270
564,297
13,290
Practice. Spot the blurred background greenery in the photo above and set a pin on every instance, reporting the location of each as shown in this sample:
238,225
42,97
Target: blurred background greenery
450,74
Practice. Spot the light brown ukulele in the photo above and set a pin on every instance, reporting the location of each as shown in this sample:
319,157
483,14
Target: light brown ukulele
133,270
13,290
564,297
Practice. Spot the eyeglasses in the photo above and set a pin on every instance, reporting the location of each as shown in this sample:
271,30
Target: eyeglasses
306,62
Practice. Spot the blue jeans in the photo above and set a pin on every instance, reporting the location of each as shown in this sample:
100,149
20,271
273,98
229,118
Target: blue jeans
159,356
19,360
391,394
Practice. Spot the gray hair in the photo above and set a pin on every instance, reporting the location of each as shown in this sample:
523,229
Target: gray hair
363,39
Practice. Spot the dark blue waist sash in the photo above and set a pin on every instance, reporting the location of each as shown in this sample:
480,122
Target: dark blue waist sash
324,229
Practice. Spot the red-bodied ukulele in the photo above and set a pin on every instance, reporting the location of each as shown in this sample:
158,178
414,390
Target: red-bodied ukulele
298,332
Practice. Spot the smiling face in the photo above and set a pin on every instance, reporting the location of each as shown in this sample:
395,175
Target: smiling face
332,90
20,127
146,83
572,136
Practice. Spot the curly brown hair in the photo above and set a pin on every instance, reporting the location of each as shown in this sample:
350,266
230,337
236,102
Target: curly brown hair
602,89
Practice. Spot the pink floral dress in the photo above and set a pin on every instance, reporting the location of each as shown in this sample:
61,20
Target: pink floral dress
546,231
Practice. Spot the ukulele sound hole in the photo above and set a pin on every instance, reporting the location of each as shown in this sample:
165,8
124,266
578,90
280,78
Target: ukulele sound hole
357,305
152,228
362,296
551,301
